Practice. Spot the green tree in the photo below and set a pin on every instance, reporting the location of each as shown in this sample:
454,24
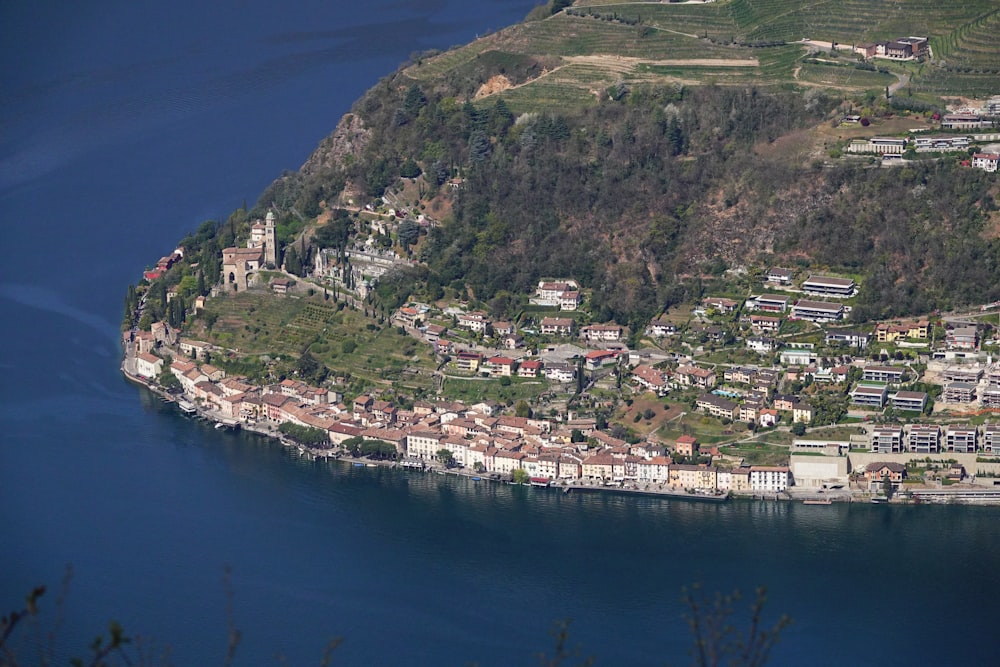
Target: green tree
293,264
500,118
446,457
798,429
210,261
310,369
520,476
334,234
353,445
188,286
306,435
887,488
479,147
409,169
408,233
415,100
378,449
522,409
168,380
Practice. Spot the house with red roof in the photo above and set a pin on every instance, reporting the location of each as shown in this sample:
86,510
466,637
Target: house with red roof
597,358
500,366
651,378
530,369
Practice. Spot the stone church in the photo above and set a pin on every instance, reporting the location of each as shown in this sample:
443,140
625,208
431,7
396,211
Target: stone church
240,265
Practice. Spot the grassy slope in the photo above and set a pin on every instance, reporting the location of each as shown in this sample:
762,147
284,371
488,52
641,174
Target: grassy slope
660,43
260,323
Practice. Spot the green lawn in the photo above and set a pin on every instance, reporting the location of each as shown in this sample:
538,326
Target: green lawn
776,437
706,429
483,389
835,433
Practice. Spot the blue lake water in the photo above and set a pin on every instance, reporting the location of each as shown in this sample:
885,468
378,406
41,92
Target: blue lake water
124,125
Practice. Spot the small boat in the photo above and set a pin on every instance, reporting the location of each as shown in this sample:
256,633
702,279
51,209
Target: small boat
817,501
477,479
359,465
369,465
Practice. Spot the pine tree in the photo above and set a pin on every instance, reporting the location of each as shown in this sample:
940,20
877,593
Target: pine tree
479,147
292,262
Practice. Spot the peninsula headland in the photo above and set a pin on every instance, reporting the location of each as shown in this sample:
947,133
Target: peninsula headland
671,248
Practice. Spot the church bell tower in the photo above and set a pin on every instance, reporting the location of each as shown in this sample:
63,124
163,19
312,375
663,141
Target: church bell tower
270,242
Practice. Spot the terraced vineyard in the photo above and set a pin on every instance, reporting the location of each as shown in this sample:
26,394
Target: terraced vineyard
699,20
973,43
578,53
843,21
565,35
257,322
839,76
943,82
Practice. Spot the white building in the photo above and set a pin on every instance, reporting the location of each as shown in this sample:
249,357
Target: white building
769,479
879,145
423,445
829,286
475,322
147,365
656,470
779,276
986,161
817,311
560,372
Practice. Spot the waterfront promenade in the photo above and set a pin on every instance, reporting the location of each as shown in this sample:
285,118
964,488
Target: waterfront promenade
853,492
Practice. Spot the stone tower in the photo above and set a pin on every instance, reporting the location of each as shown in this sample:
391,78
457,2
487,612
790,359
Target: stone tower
270,242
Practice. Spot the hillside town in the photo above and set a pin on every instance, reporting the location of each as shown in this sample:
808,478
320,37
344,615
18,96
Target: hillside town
907,404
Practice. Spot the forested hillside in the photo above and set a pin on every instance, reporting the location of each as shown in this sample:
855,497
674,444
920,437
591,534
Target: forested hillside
652,189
